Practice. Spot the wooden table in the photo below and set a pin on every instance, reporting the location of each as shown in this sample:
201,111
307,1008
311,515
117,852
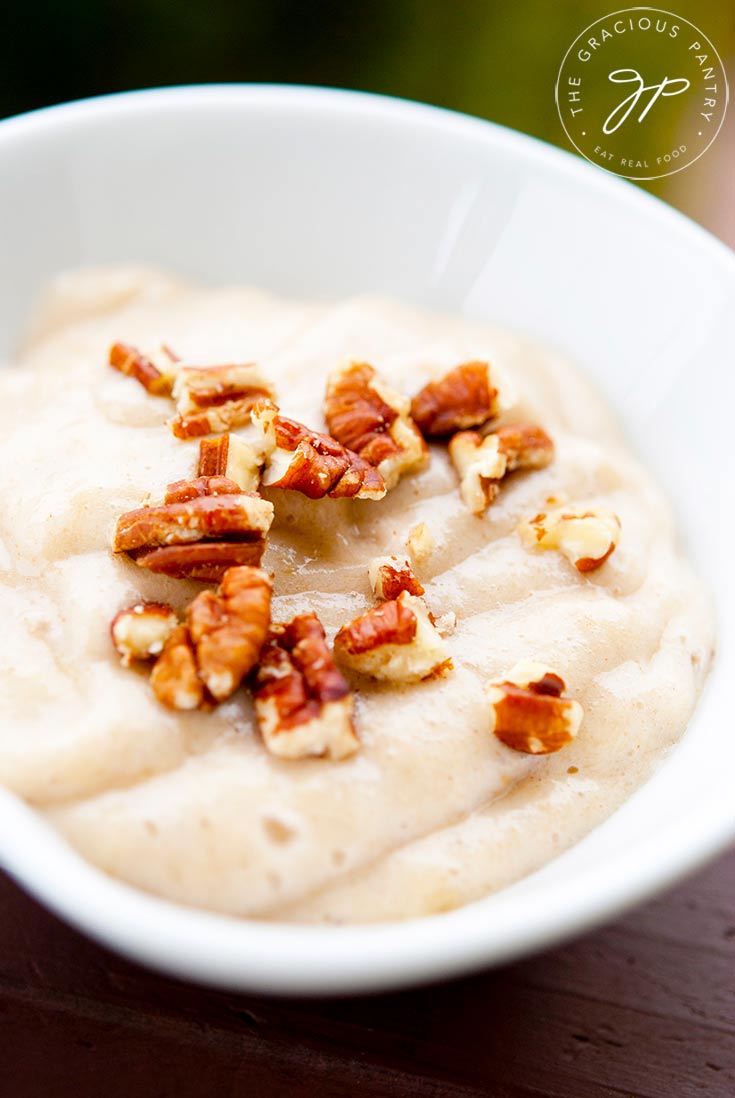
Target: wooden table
643,1007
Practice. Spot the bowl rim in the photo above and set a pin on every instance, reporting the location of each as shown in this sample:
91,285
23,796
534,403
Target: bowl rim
347,100
296,959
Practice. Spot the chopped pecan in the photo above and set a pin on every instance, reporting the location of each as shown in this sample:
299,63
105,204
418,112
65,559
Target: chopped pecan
196,536
528,711
243,516
395,641
228,628
586,538
182,490
302,702
139,632
206,659
312,463
155,372
230,456
465,397
373,420
420,541
174,677
481,467
200,560
482,463
390,575
212,399
213,454
525,446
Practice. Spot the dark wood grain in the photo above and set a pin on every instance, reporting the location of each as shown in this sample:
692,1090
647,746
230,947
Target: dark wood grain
644,1008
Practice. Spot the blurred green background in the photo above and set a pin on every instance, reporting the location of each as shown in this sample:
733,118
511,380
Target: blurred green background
495,60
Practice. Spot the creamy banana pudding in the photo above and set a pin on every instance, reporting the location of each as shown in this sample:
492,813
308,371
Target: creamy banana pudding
325,612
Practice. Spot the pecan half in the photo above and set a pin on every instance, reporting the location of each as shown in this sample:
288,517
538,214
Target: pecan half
139,632
302,702
483,462
528,711
197,535
390,575
228,628
155,372
586,538
373,420
174,678
312,463
212,399
396,641
230,456
464,397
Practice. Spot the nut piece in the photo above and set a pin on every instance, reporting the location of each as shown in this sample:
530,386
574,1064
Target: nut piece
182,490
396,641
174,676
586,538
139,632
367,416
212,399
481,467
155,372
482,463
465,397
228,628
218,646
391,575
204,560
196,536
245,517
525,446
230,456
420,541
309,462
528,712
302,702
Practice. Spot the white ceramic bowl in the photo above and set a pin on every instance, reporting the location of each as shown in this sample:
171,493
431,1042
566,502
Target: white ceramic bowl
327,193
